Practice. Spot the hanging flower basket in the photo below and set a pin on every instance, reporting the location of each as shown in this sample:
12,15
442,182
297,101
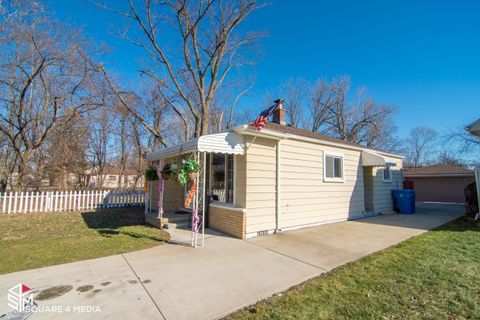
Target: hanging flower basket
188,171
151,174
166,172
192,176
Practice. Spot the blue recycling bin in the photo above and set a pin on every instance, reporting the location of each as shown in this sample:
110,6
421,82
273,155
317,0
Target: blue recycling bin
404,201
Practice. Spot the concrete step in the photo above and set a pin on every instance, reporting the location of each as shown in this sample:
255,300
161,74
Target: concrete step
178,218
173,226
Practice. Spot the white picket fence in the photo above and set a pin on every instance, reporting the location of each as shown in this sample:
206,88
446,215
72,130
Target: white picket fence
47,201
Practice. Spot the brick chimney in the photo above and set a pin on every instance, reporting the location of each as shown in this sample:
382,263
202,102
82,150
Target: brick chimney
280,115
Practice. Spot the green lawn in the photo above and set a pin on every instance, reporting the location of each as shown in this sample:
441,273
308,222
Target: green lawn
432,276
33,240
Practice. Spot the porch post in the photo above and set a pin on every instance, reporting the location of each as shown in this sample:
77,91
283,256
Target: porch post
203,197
161,186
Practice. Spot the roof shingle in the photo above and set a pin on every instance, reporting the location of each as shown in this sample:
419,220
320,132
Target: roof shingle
437,169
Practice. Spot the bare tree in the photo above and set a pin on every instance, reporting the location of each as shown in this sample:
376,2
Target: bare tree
294,92
322,101
363,122
100,139
189,72
44,78
449,158
65,161
418,144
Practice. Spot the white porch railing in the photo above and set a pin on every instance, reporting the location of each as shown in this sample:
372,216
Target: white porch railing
48,201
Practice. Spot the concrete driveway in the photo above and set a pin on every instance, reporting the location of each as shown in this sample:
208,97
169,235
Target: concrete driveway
178,282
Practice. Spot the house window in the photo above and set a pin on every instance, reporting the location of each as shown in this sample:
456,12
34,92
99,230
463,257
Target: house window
333,167
220,177
387,174
112,178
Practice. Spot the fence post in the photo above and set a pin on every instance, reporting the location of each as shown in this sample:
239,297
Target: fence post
36,201
4,201
20,205
41,202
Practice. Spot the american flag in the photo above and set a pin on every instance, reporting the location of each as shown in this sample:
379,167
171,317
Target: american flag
266,114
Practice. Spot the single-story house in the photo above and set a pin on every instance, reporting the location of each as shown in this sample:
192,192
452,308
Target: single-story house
279,178
112,177
439,183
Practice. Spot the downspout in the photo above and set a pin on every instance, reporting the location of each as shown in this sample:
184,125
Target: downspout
277,182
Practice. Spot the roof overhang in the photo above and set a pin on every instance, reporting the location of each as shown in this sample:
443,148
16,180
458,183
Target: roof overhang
474,128
373,159
247,130
225,142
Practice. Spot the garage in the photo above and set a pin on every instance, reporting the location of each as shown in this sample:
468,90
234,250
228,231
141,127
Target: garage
439,183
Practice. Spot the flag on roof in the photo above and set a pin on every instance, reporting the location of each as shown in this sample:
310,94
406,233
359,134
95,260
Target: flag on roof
266,114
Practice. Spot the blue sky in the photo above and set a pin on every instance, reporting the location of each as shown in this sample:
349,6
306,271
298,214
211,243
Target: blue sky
421,56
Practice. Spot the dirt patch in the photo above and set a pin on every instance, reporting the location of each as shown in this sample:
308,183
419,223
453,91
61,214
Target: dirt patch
104,284
85,288
147,281
132,281
53,292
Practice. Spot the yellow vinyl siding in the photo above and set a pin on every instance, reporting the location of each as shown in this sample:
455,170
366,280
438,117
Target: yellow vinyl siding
305,197
382,197
260,184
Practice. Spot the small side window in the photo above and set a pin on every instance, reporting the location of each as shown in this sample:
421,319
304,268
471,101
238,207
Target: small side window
333,167
387,174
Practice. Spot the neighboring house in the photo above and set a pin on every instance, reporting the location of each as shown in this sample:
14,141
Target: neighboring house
474,129
112,178
280,178
439,183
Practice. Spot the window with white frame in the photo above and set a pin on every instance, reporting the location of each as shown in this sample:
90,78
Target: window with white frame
387,174
112,178
220,173
333,167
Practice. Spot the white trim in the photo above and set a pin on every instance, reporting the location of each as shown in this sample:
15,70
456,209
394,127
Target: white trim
225,176
390,180
225,142
373,159
334,155
234,179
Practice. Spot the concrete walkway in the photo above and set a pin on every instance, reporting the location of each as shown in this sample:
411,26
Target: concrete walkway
179,282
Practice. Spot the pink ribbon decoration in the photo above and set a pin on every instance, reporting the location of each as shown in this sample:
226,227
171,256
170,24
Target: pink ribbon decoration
195,221
160,188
